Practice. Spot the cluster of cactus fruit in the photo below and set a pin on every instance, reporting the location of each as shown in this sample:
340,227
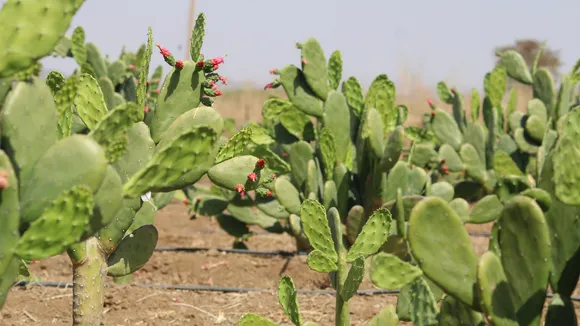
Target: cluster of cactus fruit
81,166
86,160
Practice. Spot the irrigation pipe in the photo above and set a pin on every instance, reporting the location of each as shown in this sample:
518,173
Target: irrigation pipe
474,234
206,288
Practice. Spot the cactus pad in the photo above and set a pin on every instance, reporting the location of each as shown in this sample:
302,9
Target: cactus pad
316,228
299,92
314,67
60,225
320,262
254,320
433,225
334,69
389,272
9,208
386,317
133,251
353,92
288,300
169,167
566,174
353,279
372,236
89,101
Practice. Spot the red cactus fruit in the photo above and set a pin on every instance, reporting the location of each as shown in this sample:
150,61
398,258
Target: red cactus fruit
269,85
268,193
443,161
178,64
240,188
445,169
185,201
261,163
157,91
252,177
200,64
146,109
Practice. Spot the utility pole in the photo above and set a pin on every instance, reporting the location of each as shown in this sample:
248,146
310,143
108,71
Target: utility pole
190,25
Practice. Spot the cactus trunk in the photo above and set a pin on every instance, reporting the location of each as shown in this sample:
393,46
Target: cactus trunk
89,285
342,312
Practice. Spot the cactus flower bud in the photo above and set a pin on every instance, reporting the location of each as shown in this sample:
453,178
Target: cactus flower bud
268,86
403,155
443,161
432,114
132,67
223,79
274,71
268,193
445,169
146,109
284,154
252,177
217,61
185,201
430,102
198,200
157,91
218,92
304,62
261,163
240,188
178,64
200,64
164,51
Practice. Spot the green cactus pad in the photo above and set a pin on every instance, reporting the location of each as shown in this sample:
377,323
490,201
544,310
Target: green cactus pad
272,207
169,168
209,205
28,123
372,236
458,111
327,150
373,130
300,153
31,30
386,317
9,210
353,279
110,235
474,165
108,200
461,207
55,80
504,165
381,96
144,216
566,174
397,178
475,134
456,313
314,67
89,101
288,195
299,92
78,49
236,145
140,148
353,92
110,132
564,235
495,85
64,100
108,90
296,122
316,228
354,222
254,320
116,72
433,225
197,36
274,162
334,69
71,161
95,60
535,128
561,311
424,154
487,209
442,190
544,88
444,93
423,310
542,197
524,242
288,300
337,119
330,195
181,92
320,262
446,129
393,149
133,251
141,91
495,296
516,66
389,272
8,277
452,159
242,209
60,225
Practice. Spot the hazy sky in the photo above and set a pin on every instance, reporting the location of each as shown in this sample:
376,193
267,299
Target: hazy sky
443,39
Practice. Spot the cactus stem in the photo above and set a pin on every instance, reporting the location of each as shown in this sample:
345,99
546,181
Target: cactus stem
89,276
342,317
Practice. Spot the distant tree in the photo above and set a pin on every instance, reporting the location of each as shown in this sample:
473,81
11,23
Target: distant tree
528,48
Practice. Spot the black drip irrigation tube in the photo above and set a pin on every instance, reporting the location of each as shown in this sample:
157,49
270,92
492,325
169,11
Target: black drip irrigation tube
207,288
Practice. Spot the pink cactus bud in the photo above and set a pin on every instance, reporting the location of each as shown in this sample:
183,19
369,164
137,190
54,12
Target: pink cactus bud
178,64
445,169
430,102
185,201
404,155
132,67
218,92
164,52
242,194
4,180
252,177
268,193
217,61
261,163
223,79
146,109
304,62
157,91
240,188
269,85
274,71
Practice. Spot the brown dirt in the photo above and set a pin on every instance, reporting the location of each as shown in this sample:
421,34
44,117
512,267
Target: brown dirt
138,305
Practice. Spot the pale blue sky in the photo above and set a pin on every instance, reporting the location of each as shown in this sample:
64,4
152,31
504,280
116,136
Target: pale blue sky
443,39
